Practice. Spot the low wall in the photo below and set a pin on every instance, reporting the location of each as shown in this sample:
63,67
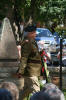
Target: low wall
6,74
55,76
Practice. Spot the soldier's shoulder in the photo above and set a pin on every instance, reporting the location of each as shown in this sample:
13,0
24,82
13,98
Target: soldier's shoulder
25,42
26,47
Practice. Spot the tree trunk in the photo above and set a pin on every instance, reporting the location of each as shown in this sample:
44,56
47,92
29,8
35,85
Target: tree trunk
32,8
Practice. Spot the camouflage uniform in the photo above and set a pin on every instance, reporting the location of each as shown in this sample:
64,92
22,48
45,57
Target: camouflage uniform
30,68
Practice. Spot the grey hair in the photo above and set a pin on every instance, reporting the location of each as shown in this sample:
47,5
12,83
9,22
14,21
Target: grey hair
53,91
49,92
12,88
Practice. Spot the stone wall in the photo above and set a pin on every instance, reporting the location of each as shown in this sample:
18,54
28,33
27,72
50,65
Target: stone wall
7,74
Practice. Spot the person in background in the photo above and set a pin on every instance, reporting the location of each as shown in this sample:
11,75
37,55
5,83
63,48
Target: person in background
12,88
21,30
5,95
21,27
19,49
63,55
49,92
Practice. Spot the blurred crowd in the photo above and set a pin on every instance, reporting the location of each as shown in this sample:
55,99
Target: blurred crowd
9,91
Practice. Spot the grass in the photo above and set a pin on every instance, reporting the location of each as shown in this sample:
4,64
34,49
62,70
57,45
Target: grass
64,91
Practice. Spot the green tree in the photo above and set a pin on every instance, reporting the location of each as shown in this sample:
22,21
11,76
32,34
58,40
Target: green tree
39,10
53,10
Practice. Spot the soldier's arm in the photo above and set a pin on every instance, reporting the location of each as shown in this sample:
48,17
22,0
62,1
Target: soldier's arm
26,49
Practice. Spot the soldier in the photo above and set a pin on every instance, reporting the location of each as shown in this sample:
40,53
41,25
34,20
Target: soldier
30,66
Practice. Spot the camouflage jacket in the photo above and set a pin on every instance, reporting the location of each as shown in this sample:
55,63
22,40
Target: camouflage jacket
30,61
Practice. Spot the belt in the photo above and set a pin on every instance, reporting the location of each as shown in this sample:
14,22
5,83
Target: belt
34,61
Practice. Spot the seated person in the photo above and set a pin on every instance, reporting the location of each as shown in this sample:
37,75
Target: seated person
49,92
12,88
5,95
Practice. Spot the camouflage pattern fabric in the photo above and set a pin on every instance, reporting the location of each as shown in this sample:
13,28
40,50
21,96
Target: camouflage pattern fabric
31,61
28,85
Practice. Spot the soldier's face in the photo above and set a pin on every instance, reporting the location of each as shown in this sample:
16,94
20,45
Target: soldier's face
32,34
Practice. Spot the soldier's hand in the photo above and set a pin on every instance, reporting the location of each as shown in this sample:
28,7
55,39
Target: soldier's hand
17,75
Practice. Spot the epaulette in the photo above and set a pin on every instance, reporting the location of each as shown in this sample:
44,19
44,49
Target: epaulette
25,41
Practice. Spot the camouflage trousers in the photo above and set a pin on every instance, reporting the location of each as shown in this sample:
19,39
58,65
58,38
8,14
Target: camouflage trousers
28,85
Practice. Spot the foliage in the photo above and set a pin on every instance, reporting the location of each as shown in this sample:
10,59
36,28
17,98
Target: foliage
61,30
43,10
4,7
40,10
53,10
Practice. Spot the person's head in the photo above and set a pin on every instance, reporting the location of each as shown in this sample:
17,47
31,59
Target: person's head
5,94
12,88
30,31
49,92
